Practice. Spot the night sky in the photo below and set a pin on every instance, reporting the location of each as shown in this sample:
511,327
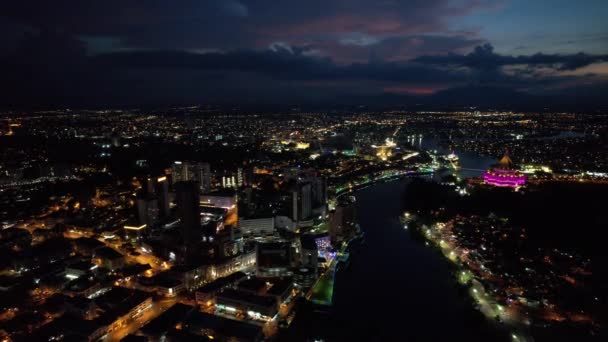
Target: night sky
136,52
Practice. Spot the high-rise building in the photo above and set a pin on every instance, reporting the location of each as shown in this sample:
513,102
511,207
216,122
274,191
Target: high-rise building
239,177
183,171
229,182
147,210
192,171
301,202
179,172
232,178
147,203
224,200
228,242
273,259
309,253
316,197
162,193
319,191
203,172
148,187
188,211
343,221
247,175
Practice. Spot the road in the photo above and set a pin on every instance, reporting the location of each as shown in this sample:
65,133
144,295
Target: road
158,307
486,302
143,258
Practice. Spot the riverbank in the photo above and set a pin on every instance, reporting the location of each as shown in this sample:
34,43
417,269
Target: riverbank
484,300
386,177
322,291
395,288
516,257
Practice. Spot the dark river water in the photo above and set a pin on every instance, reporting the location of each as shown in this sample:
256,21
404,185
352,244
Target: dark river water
396,288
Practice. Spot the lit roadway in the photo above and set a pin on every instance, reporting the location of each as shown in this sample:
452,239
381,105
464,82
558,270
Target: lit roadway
158,307
322,291
486,303
144,258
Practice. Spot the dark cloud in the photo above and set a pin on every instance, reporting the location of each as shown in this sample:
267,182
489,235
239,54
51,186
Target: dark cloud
50,48
483,57
181,74
290,63
195,24
230,24
117,51
52,66
296,63
234,7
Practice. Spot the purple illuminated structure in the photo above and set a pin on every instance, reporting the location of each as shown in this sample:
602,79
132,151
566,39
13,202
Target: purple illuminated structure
323,246
504,175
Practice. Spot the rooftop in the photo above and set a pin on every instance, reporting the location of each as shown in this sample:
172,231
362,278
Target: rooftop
119,301
224,326
222,282
246,297
280,286
71,328
505,162
165,280
107,253
253,285
168,319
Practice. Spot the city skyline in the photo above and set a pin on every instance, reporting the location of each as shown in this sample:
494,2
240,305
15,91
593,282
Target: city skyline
197,222
328,171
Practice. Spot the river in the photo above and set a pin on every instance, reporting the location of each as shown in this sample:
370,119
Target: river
470,162
396,288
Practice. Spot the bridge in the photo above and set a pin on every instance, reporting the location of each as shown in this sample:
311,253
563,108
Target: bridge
457,167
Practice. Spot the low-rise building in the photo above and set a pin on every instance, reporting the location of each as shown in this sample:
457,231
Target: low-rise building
108,258
254,306
192,276
163,284
70,328
205,296
257,226
81,306
281,289
83,286
86,246
221,328
121,306
230,265
78,269
167,321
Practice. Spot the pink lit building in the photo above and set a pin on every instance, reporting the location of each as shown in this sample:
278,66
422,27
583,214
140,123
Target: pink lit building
504,175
